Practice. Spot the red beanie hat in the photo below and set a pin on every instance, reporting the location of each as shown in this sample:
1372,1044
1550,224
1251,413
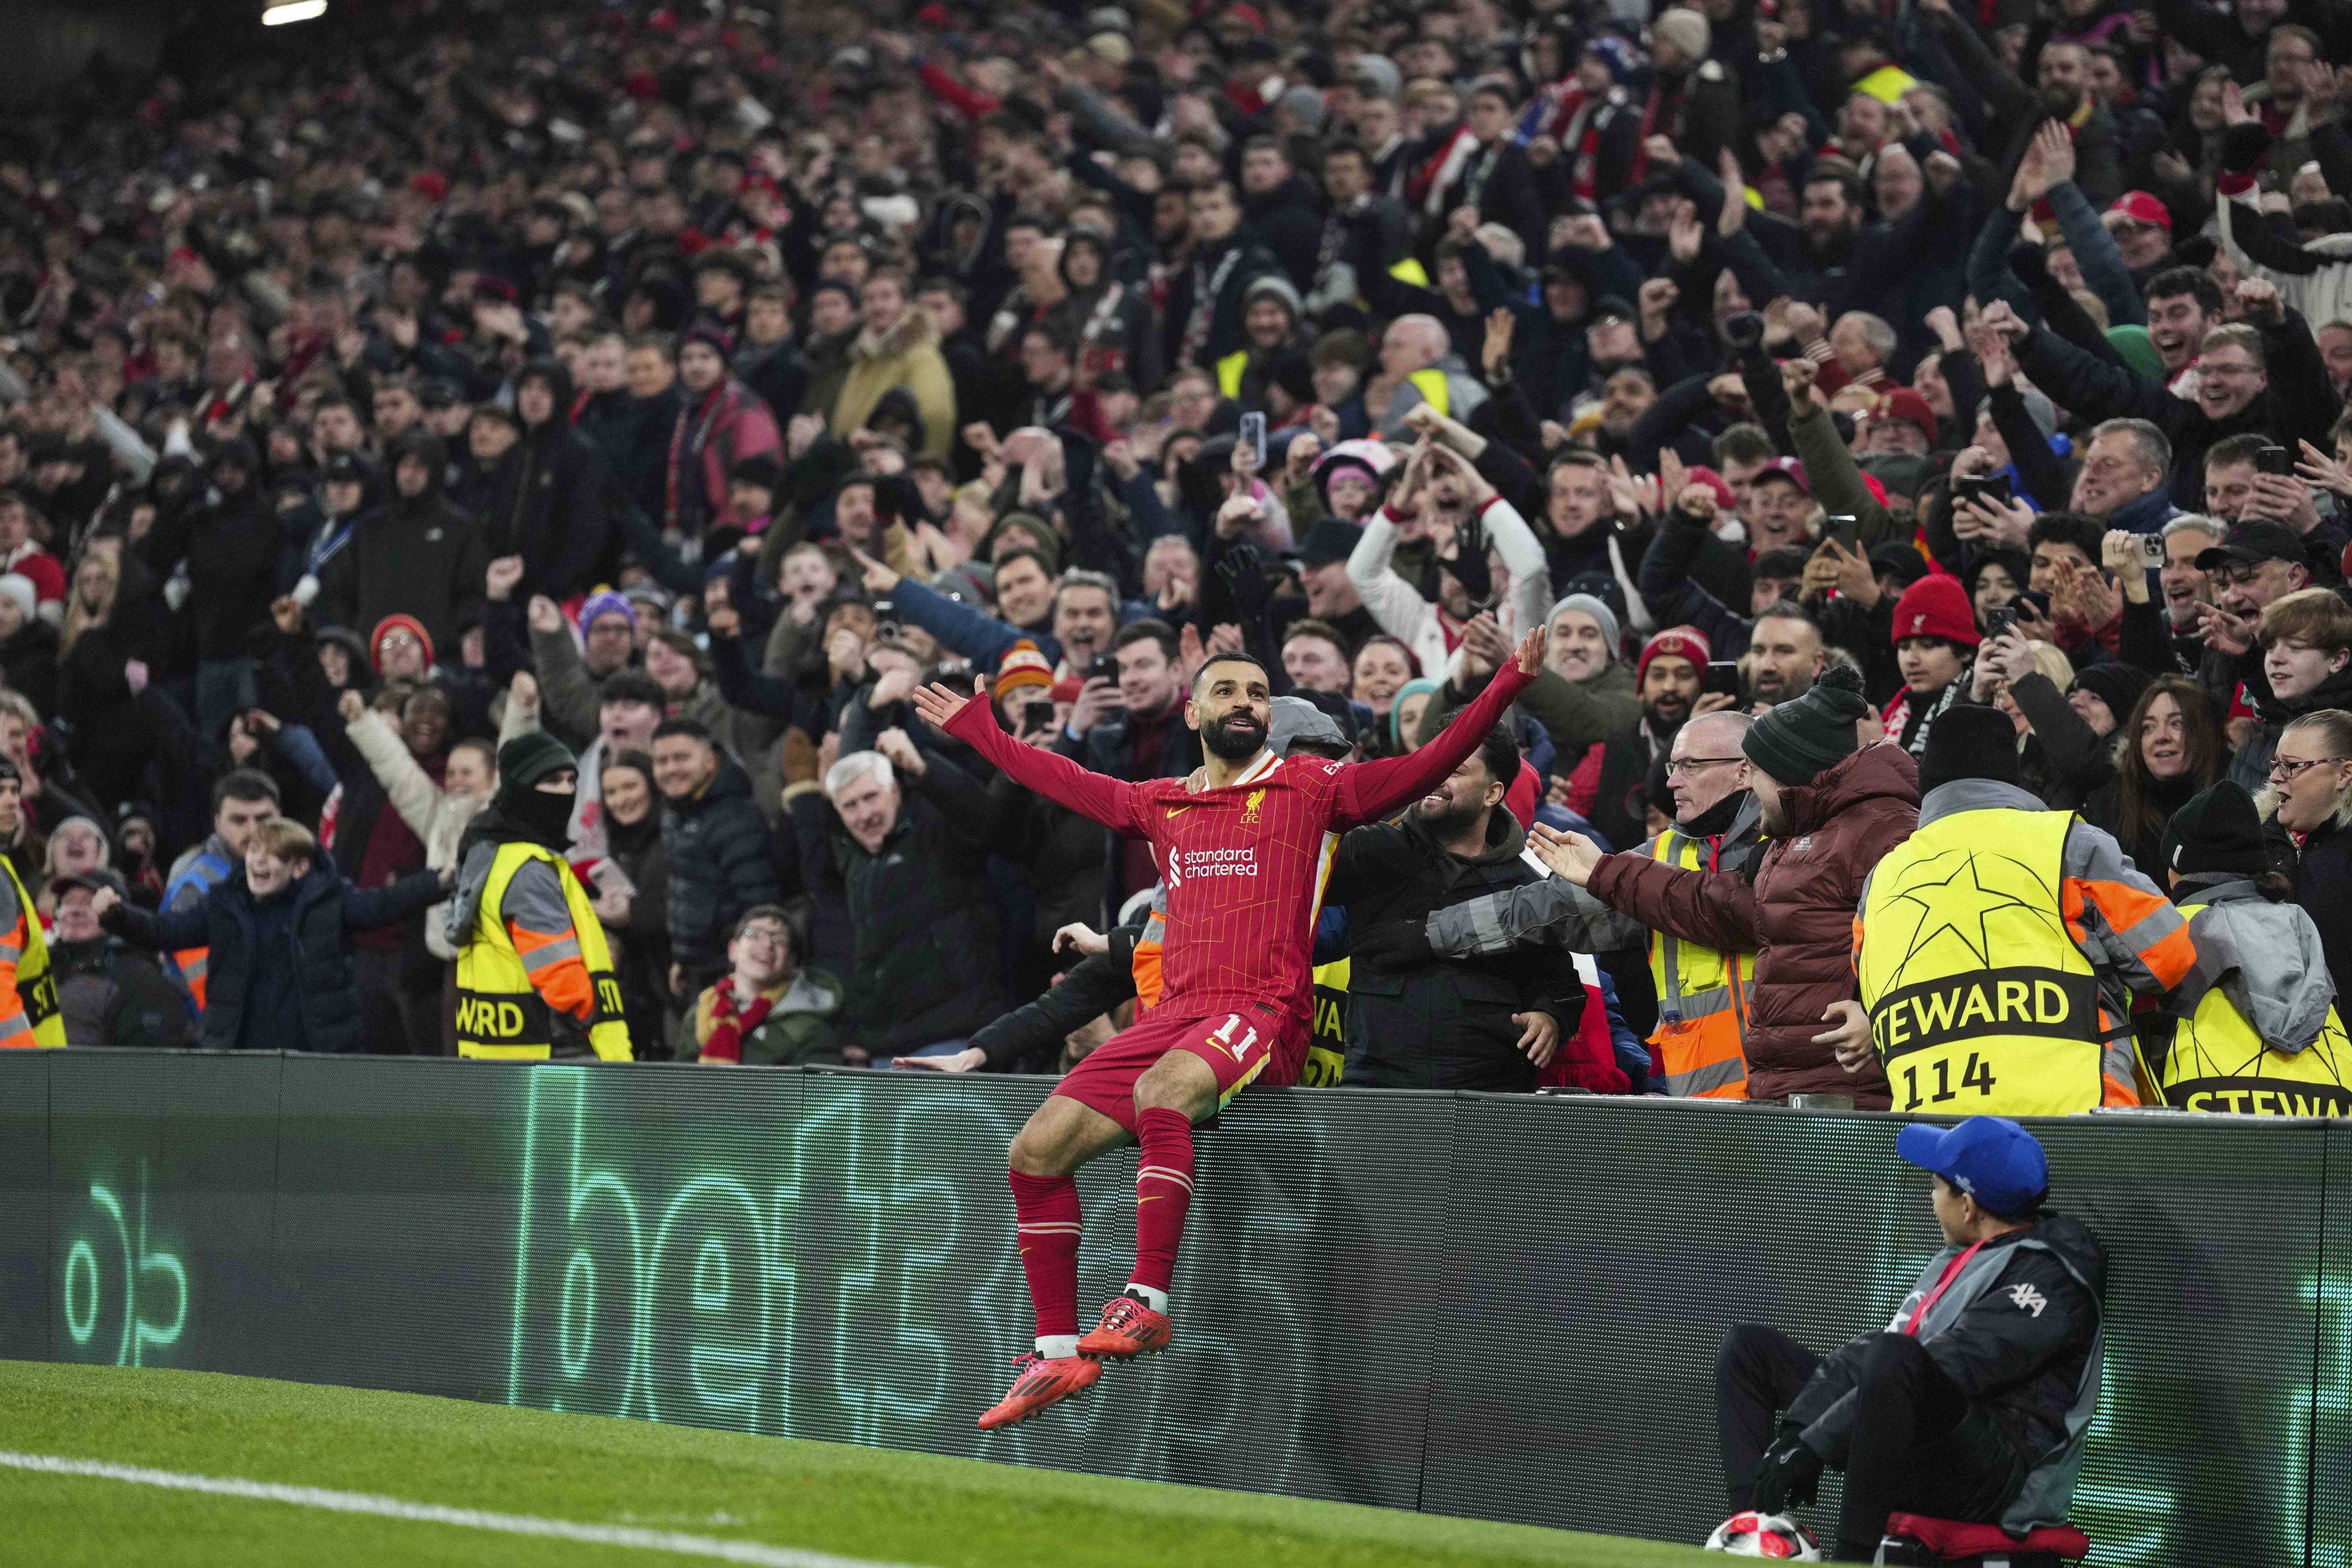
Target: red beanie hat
1682,642
1936,606
397,624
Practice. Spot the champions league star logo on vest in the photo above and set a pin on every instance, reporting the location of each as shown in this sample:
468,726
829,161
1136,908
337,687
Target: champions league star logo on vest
1975,987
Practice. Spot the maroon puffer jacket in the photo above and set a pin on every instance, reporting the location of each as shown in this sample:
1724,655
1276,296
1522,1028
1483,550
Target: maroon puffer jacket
1797,914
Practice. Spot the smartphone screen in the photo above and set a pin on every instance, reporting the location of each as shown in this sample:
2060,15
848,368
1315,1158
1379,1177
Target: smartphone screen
1253,435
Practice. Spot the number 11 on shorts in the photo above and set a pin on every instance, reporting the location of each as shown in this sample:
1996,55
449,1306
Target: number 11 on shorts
1224,1035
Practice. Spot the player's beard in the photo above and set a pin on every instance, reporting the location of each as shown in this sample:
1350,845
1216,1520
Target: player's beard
1236,737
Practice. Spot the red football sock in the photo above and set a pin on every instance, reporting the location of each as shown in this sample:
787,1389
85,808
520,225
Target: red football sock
1046,1216
1163,1190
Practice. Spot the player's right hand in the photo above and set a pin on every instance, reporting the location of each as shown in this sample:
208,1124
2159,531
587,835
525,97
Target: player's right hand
1531,653
939,704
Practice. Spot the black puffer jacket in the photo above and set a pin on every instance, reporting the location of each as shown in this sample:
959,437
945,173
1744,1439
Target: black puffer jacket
719,865
2021,1360
1442,1022
307,989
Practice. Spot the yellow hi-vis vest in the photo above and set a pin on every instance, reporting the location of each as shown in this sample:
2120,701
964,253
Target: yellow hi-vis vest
36,988
499,1015
1230,370
1980,1001
1434,390
2219,1064
1326,1044
1702,998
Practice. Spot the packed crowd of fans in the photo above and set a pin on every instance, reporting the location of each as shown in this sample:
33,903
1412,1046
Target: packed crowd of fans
692,388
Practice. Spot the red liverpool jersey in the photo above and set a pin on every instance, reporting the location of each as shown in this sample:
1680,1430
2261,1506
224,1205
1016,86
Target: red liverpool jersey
1244,863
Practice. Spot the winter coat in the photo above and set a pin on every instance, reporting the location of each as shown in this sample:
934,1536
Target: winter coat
1288,221
719,865
2024,1368
548,504
320,1011
2321,866
922,931
229,547
712,434
1795,911
798,1030
109,995
1442,1023
30,662
907,355
413,556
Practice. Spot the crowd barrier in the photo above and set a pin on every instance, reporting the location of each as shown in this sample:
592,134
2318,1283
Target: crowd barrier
1500,1307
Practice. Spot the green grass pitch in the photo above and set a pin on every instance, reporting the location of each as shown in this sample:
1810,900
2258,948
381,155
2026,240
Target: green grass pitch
860,1503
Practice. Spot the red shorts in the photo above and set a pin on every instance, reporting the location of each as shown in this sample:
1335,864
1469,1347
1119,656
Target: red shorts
1238,1044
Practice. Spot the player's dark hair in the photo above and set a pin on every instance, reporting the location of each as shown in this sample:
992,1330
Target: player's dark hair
1500,752
1215,660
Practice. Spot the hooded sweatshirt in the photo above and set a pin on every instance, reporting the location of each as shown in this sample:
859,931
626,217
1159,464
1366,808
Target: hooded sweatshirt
415,556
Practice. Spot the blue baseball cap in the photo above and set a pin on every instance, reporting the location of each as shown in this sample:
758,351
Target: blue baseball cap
1990,1158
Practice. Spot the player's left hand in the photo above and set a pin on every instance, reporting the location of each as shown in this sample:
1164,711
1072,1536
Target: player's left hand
1531,652
938,704
1571,854
1850,1036
1539,1036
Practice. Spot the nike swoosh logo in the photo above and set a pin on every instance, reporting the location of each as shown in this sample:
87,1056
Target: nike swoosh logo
1154,1198
1176,811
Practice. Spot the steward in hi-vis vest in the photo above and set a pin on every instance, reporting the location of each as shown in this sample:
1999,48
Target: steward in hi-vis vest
2254,1026
534,975
1999,945
28,992
1703,991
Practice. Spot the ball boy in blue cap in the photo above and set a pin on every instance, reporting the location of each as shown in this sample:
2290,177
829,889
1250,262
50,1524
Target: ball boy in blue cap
1973,1401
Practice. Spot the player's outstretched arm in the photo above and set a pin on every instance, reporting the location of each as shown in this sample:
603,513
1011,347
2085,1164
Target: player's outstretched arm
973,719
1369,791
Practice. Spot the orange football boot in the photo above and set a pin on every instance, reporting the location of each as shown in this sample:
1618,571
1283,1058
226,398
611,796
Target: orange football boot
1042,1385
1129,1329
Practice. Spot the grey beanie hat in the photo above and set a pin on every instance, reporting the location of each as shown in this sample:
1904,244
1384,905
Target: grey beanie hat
1588,604
1377,74
1306,102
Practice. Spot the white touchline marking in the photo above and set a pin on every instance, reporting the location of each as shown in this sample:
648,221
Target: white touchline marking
434,1513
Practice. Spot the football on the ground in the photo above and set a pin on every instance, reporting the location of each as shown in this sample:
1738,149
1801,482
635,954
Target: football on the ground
1765,1535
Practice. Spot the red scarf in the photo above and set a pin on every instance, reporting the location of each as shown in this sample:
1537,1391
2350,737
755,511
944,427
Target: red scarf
730,1021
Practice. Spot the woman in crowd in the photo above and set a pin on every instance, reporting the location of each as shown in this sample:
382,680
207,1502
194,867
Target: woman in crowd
632,890
2172,747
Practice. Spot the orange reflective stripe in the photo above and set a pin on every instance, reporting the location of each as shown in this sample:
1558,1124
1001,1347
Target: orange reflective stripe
2169,955
1700,1058
1149,978
562,980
